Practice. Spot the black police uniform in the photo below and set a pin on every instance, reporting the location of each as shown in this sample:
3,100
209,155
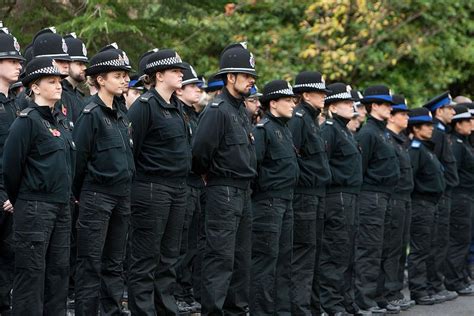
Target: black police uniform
308,204
8,113
381,172
223,150
429,183
38,169
9,50
460,216
397,224
189,267
272,212
102,184
439,248
162,154
337,254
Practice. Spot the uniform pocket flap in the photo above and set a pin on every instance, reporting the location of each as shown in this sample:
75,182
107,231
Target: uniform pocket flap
105,143
29,236
47,147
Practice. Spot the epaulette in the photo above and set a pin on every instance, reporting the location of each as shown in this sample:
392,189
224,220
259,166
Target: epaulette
300,113
90,107
25,112
459,140
329,122
146,96
440,127
415,144
262,123
215,104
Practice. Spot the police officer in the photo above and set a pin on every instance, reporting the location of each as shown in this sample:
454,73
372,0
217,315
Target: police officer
224,153
162,154
102,184
253,105
38,169
461,208
143,77
189,95
442,112
429,183
272,212
381,171
397,217
78,53
308,202
337,254
10,67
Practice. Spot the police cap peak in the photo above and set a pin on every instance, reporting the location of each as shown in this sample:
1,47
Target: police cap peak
307,81
377,94
162,60
106,61
236,58
339,92
214,83
9,47
444,99
40,67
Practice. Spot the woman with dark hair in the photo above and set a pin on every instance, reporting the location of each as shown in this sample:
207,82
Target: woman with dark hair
38,169
102,185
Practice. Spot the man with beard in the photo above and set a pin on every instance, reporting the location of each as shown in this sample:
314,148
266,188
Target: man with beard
224,154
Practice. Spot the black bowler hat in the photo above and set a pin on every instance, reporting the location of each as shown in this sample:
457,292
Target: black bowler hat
114,46
143,60
275,90
106,61
236,58
76,48
339,92
399,104
189,75
47,43
439,101
9,47
214,83
40,67
308,81
419,116
377,94
462,113
162,60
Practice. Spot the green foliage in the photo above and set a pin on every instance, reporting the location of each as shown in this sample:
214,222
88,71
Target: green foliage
417,47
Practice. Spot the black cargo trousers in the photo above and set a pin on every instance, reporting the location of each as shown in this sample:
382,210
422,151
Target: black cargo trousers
227,254
41,233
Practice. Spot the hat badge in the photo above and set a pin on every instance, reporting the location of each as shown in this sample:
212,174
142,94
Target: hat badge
55,65
114,45
390,91
178,58
1,23
252,60
193,71
52,29
73,34
125,59
16,45
322,80
348,88
64,46
84,50
244,44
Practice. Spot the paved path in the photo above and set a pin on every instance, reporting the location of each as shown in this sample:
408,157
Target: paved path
462,306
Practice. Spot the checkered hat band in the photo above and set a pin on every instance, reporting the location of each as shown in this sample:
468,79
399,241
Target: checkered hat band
164,62
283,91
47,70
343,95
316,85
113,62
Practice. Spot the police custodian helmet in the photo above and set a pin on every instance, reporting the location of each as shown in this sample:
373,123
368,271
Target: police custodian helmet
236,58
